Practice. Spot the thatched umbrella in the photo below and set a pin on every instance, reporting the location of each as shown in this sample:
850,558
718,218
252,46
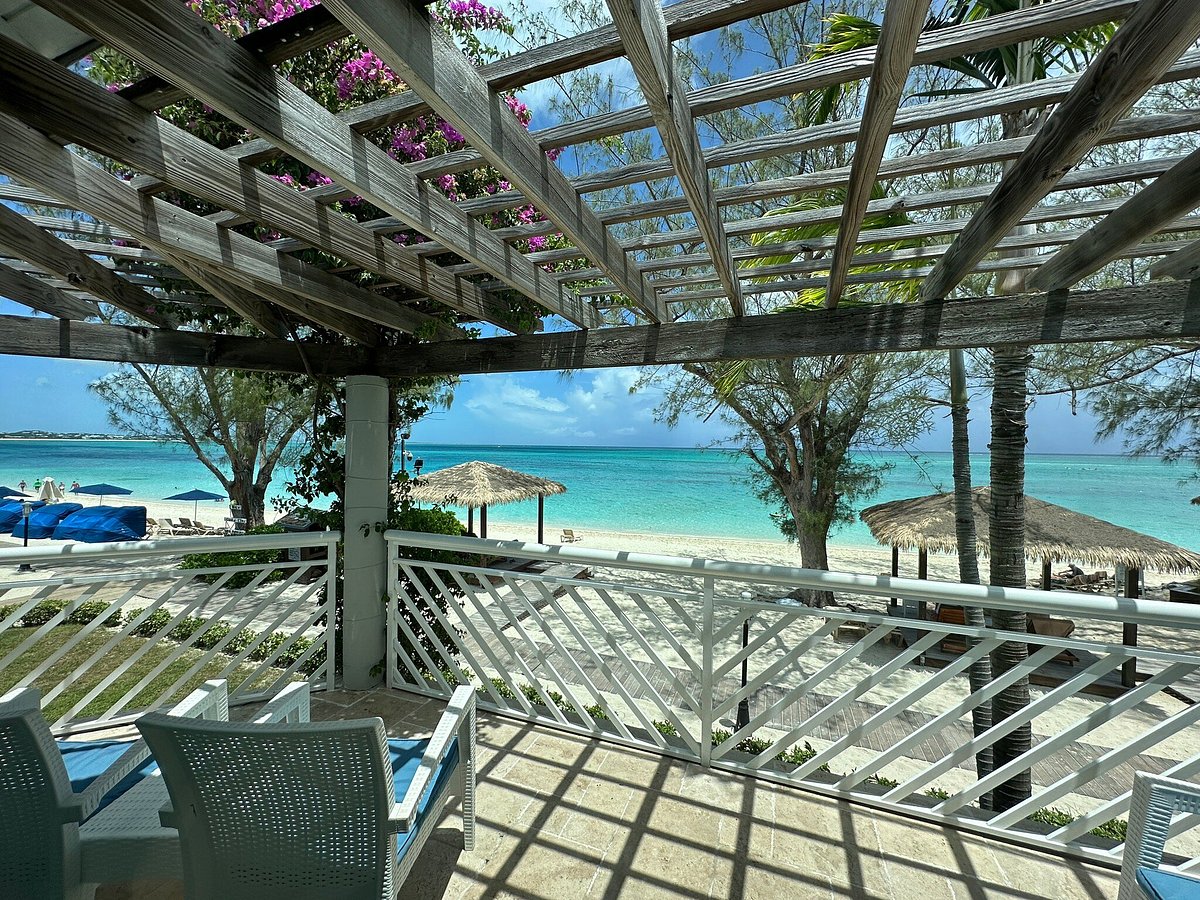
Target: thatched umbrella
1052,534
482,484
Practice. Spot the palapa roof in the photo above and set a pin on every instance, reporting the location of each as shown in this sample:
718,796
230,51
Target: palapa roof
654,278
1051,532
480,483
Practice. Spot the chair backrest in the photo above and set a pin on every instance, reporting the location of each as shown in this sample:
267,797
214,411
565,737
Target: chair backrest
568,534
268,810
39,842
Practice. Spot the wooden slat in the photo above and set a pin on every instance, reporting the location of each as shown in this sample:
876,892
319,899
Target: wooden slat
171,41
1154,36
54,100
241,301
29,156
1183,263
35,293
402,34
643,31
1159,311
902,21
1173,193
24,240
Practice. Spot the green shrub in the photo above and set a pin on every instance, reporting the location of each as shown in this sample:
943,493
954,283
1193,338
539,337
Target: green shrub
596,711
153,623
239,642
6,611
882,780
532,695
42,613
93,609
503,689
720,736
212,635
938,793
271,643
186,627
799,755
666,728
235,558
1113,829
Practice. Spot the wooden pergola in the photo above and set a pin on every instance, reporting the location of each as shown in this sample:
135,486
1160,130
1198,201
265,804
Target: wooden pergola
65,267
626,301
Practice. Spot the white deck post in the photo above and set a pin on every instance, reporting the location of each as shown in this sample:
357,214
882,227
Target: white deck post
366,504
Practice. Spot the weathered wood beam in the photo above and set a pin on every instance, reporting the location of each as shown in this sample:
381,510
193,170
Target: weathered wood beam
173,42
28,155
35,293
902,22
643,31
24,336
1142,50
59,102
1183,264
1160,311
241,301
404,36
1172,194
22,239
283,40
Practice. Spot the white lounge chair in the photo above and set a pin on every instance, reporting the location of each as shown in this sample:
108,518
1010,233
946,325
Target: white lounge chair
1156,801
48,787
569,536
310,810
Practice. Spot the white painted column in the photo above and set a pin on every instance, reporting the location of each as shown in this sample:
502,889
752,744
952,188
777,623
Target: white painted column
365,555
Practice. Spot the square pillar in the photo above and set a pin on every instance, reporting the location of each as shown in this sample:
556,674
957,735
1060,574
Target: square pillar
365,562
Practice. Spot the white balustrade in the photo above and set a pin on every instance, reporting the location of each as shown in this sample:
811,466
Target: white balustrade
855,702
107,631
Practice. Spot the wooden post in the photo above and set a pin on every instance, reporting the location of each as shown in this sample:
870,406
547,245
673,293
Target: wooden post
1045,574
483,521
470,520
923,574
892,601
1129,630
541,518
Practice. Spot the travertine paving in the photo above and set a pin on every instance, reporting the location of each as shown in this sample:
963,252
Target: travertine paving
563,817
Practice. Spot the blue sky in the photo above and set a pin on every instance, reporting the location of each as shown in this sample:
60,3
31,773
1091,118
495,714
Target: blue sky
592,408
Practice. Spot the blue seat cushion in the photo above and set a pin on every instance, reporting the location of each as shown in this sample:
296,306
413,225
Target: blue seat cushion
88,760
1163,885
406,758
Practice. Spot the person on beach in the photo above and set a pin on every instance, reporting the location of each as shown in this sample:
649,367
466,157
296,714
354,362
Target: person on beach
62,487
37,485
74,485
21,485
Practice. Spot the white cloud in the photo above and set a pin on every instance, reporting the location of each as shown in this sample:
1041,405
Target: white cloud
505,401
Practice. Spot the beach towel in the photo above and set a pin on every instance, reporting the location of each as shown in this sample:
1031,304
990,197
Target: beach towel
97,524
43,521
11,513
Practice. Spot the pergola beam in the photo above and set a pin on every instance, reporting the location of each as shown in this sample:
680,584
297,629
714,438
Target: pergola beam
35,293
902,21
402,34
34,159
1142,50
22,239
1175,192
243,302
177,45
1160,311
59,102
643,31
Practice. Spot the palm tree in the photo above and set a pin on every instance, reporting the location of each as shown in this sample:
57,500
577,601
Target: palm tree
987,70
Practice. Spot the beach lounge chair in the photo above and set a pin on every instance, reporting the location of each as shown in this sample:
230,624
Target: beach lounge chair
197,527
155,527
48,788
569,537
178,527
309,809
1156,800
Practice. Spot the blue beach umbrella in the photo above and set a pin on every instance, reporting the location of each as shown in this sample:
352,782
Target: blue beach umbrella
6,491
101,489
196,495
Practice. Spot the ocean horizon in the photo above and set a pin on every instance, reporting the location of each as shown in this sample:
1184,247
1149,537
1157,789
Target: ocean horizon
667,490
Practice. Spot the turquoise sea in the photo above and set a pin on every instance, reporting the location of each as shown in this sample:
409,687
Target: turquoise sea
678,491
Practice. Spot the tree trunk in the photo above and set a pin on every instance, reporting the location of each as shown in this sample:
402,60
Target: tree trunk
1007,551
252,498
812,537
980,672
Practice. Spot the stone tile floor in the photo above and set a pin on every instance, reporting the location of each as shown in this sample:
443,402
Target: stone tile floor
562,817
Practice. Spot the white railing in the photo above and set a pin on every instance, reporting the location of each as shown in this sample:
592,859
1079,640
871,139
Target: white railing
107,631
854,701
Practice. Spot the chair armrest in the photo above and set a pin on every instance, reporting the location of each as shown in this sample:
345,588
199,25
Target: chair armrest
289,705
460,709
209,701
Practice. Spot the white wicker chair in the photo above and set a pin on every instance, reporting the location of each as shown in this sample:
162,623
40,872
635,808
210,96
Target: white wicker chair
47,788
1156,800
311,810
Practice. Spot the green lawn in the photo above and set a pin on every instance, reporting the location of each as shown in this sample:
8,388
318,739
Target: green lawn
150,695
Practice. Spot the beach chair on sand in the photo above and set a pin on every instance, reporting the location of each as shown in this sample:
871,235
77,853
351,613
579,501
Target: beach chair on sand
569,537
309,809
178,527
155,527
197,527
